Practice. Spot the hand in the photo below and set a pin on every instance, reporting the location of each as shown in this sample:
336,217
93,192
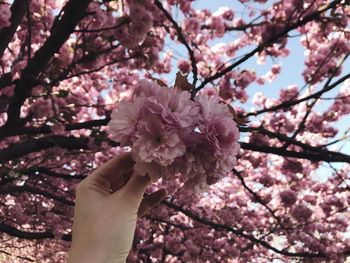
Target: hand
108,203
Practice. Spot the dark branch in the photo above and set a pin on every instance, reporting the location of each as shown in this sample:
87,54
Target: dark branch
274,38
29,189
288,104
284,138
69,127
11,254
240,233
302,123
12,231
312,156
74,12
5,80
182,39
35,145
51,173
18,150
257,198
18,9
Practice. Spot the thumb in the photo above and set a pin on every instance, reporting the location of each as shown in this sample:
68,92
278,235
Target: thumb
136,187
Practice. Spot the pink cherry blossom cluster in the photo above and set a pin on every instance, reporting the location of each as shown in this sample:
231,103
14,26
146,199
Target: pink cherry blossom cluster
141,21
5,15
172,136
299,206
323,56
341,106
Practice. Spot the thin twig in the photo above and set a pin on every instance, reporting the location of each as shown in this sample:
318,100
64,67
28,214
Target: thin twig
183,40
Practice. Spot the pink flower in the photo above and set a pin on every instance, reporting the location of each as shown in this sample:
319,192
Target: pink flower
290,93
179,108
301,212
291,166
217,123
245,78
259,99
155,143
221,134
146,88
225,12
210,106
123,121
173,105
184,65
199,159
136,31
175,138
5,15
288,197
142,20
265,179
192,25
226,90
217,25
154,170
174,243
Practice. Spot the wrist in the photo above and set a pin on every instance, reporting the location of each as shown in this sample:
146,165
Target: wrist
76,256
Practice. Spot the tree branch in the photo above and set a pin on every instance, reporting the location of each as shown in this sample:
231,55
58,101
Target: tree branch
12,231
45,129
240,233
74,12
5,80
285,138
290,103
18,9
258,198
51,173
18,150
11,254
34,145
274,38
29,189
182,39
302,124
312,156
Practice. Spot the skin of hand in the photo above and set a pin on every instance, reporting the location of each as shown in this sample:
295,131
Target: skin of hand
108,203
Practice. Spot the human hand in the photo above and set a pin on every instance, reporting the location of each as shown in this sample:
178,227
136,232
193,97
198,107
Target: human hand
108,203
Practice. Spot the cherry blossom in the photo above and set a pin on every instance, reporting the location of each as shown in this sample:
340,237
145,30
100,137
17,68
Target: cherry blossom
252,145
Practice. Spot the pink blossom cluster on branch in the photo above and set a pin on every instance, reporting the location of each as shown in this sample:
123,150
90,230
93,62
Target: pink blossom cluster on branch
276,207
170,134
5,14
141,21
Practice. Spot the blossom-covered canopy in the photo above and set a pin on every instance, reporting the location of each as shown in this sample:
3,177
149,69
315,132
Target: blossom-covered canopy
280,68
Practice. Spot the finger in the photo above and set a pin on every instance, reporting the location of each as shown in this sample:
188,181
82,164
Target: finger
135,188
118,184
151,201
111,171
